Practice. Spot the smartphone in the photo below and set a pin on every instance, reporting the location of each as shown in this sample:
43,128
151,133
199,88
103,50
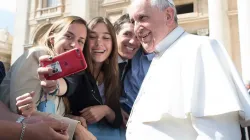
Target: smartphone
65,64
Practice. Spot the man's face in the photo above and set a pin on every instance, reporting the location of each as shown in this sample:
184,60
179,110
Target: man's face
149,24
128,44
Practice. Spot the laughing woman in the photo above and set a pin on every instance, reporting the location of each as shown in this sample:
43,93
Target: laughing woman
96,98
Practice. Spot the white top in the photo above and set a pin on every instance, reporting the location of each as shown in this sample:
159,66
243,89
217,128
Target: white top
101,90
120,60
191,80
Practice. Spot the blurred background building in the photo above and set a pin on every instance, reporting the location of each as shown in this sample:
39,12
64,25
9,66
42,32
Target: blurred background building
218,19
5,48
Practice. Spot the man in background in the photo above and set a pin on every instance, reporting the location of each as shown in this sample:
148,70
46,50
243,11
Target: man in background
133,63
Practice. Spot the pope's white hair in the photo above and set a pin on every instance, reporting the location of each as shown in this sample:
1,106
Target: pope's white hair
162,5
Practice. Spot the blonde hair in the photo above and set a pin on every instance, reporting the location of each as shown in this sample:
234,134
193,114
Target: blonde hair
58,28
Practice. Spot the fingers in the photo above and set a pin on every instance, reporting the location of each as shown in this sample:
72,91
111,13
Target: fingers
25,104
81,119
45,58
85,109
83,122
24,99
89,118
87,115
49,85
32,94
41,71
92,120
27,110
57,126
61,135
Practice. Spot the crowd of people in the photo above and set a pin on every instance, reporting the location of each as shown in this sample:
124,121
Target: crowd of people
147,78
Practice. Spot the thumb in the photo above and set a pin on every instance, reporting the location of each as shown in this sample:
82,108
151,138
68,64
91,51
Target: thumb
32,93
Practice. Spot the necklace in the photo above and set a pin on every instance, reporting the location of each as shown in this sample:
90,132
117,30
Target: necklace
96,79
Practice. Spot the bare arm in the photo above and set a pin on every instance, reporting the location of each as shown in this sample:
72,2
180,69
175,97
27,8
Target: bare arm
38,131
110,114
10,130
62,87
6,114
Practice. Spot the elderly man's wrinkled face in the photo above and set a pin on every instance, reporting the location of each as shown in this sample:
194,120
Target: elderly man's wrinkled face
149,24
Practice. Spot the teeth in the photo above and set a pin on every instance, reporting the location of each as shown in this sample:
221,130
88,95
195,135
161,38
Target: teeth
99,51
130,49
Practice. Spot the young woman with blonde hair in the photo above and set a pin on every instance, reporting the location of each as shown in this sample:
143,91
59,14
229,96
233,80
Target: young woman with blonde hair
65,34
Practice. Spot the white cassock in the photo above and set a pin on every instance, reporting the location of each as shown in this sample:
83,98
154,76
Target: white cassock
192,91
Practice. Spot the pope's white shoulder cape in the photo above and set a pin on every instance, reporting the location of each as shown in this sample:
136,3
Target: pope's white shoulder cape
195,75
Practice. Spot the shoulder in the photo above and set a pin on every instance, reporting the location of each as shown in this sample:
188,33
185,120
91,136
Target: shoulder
195,38
30,56
199,42
37,51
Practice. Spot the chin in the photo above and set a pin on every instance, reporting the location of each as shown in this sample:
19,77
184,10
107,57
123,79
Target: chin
148,49
129,57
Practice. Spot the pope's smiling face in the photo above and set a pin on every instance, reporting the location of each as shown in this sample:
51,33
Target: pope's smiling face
150,23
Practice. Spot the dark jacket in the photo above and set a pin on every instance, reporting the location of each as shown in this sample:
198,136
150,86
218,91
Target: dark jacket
243,133
123,69
2,72
83,92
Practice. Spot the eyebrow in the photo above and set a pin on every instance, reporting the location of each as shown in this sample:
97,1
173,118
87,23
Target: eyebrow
74,34
101,32
128,31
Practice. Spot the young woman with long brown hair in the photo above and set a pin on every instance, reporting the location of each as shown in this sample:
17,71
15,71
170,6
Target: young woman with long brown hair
96,98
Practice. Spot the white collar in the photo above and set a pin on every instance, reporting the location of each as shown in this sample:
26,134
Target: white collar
169,40
120,60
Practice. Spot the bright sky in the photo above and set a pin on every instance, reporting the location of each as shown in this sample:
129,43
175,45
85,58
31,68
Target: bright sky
9,5
7,14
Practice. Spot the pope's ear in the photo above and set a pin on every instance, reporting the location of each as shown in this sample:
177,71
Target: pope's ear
169,14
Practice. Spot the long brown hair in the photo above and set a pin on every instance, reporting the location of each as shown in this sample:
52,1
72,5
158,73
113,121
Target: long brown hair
109,67
59,28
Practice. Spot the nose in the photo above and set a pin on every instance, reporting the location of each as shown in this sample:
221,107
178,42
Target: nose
98,42
133,40
75,44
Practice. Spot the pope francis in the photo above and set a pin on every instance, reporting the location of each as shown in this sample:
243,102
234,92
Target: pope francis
192,90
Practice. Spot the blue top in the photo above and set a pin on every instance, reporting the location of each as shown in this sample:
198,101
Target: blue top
134,77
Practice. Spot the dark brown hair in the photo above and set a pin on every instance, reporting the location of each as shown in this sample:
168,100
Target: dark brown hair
109,67
120,21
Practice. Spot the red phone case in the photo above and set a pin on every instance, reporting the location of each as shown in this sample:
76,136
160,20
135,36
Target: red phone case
65,64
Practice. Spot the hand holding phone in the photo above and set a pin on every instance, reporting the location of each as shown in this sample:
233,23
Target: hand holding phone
65,64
